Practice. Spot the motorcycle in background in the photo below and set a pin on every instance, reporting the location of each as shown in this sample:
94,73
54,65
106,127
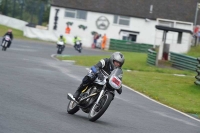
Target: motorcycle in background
60,46
5,42
96,98
78,46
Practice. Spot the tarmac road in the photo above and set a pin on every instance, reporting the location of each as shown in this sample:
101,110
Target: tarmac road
33,97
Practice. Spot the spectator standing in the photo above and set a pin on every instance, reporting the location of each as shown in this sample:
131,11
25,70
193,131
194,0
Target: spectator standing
104,40
96,42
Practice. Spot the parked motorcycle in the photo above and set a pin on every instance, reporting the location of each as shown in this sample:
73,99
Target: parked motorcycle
5,42
78,46
96,98
60,46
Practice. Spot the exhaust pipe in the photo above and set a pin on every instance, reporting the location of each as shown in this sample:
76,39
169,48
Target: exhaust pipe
70,97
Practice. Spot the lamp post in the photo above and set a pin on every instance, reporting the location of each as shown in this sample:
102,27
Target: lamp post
5,7
196,14
13,12
41,13
195,23
22,5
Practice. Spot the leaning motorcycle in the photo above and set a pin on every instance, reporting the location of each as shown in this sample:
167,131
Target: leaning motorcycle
5,42
78,46
60,46
96,98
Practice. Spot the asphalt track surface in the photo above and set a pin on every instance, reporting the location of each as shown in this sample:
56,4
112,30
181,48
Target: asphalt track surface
33,97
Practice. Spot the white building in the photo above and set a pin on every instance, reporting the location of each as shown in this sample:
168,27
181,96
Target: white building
116,27
120,21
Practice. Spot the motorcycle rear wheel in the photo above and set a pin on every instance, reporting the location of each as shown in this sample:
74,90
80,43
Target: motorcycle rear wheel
98,110
72,107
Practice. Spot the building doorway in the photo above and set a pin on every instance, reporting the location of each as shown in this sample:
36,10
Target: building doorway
132,37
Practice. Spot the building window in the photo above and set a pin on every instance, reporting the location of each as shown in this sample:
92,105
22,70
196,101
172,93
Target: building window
121,20
179,37
125,38
166,23
79,14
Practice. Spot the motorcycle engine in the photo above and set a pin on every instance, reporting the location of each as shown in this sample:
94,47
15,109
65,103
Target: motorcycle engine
88,101
84,95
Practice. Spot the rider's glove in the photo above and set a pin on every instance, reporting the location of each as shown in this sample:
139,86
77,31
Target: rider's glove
94,70
92,73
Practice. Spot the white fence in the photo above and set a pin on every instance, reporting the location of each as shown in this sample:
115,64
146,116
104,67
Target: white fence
40,34
30,32
12,22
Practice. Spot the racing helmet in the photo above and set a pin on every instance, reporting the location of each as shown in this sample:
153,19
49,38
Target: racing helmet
116,56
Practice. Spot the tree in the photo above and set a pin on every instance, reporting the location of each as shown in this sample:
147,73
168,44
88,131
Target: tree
33,11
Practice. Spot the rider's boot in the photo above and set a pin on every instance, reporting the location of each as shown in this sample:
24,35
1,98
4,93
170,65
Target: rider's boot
78,91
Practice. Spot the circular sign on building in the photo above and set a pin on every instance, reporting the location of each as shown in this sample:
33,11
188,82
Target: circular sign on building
102,23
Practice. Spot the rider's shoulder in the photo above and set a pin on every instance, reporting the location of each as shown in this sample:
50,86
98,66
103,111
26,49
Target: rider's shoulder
106,60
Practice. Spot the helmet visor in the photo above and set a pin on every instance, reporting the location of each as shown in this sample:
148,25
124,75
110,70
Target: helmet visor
117,63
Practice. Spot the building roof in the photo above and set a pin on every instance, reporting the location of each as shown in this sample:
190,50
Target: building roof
181,10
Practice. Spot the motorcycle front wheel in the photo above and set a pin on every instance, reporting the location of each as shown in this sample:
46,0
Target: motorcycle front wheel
4,44
98,110
3,48
59,51
72,107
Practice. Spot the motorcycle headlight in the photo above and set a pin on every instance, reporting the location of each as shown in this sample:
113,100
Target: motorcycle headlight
115,82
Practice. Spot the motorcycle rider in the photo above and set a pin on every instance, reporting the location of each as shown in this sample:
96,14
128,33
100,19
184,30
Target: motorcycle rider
63,39
76,38
116,60
8,33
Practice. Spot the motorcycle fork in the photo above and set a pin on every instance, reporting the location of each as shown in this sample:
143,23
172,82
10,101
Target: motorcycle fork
100,95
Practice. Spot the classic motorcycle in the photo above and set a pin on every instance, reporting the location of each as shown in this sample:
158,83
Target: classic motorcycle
60,46
5,42
78,46
96,98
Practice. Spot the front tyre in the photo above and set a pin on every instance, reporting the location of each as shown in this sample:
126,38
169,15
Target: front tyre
3,48
72,107
58,52
98,110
